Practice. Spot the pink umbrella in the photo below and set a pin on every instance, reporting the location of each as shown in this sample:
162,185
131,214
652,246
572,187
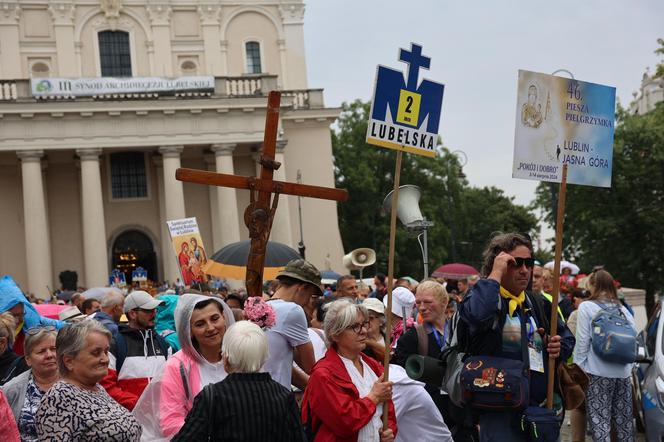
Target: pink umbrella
50,310
454,271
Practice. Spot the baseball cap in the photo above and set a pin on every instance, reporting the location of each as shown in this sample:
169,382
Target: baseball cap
375,305
140,299
403,300
302,271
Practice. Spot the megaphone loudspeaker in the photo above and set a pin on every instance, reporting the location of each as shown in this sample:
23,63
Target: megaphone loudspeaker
408,205
359,258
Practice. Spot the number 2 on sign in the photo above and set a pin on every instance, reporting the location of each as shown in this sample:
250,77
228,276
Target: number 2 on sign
409,108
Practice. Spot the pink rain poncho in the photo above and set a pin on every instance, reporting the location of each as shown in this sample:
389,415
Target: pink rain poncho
164,404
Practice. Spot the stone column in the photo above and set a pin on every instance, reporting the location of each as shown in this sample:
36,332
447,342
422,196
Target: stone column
63,24
292,48
283,63
174,207
224,57
169,266
209,15
37,241
10,14
160,18
211,166
229,218
281,227
94,224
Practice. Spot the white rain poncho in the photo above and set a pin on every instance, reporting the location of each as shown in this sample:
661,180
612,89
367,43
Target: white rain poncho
168,398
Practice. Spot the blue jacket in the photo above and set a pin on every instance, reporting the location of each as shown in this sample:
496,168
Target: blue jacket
107,321
11,295
483,310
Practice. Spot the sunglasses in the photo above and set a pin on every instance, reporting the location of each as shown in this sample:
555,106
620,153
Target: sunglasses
358,326
528,262
35,330
145,310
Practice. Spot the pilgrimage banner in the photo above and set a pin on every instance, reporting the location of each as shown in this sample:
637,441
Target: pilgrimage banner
561,120
87,87
405,110
189,250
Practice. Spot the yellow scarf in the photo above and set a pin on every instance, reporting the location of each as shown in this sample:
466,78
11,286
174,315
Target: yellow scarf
515,301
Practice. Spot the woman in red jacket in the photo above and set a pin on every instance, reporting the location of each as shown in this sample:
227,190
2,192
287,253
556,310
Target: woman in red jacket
346,393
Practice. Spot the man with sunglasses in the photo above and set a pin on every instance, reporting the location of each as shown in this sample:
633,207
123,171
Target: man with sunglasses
491,325
137,352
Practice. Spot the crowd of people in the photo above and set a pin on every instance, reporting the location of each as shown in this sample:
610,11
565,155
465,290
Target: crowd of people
306,361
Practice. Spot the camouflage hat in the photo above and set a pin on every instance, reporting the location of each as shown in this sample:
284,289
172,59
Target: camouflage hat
303,271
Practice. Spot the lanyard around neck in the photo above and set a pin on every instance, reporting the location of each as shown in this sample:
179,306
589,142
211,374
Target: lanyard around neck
436,335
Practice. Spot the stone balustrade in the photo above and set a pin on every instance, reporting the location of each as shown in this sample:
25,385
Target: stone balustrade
242,86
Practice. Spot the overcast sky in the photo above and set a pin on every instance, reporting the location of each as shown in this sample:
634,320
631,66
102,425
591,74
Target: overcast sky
476,49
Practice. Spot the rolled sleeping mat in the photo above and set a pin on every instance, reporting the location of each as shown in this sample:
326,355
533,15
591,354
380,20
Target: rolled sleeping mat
425,369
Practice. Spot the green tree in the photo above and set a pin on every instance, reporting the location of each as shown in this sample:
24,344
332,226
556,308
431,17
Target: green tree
659,73
463,216
484,211
621,227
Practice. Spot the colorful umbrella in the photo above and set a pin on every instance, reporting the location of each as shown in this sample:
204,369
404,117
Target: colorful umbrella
98,293
454,271
231,261
51,311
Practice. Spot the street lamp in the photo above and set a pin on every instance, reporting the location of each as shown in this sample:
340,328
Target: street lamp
408,211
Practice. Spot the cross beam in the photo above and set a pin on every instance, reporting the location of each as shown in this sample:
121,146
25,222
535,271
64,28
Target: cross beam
259,215
244,182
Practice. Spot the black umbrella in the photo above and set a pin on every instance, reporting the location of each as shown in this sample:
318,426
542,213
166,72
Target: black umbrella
231,261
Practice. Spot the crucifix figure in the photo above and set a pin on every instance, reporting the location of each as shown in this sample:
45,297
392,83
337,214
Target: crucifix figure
264,196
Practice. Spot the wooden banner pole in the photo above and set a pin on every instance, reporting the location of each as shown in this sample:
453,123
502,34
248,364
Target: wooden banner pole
390,276
560,216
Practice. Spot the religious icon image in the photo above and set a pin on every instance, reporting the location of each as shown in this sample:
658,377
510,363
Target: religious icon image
531,111
191,258
189,250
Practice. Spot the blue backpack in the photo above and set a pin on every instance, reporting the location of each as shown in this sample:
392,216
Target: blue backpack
613,337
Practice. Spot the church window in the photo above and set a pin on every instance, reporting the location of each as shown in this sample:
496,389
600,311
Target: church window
253,51
128,175
114,54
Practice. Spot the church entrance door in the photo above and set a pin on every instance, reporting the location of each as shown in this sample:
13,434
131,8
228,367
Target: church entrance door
132,249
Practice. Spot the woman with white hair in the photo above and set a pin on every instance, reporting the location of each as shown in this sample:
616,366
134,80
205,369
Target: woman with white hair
246,405
77,408
346,393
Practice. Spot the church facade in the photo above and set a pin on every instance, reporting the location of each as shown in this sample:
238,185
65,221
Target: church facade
100,103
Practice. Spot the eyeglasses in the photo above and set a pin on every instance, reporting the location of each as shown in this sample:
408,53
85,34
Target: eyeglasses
528,262
358,326
35,330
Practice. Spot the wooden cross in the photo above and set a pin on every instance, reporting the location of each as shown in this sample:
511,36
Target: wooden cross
259,215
